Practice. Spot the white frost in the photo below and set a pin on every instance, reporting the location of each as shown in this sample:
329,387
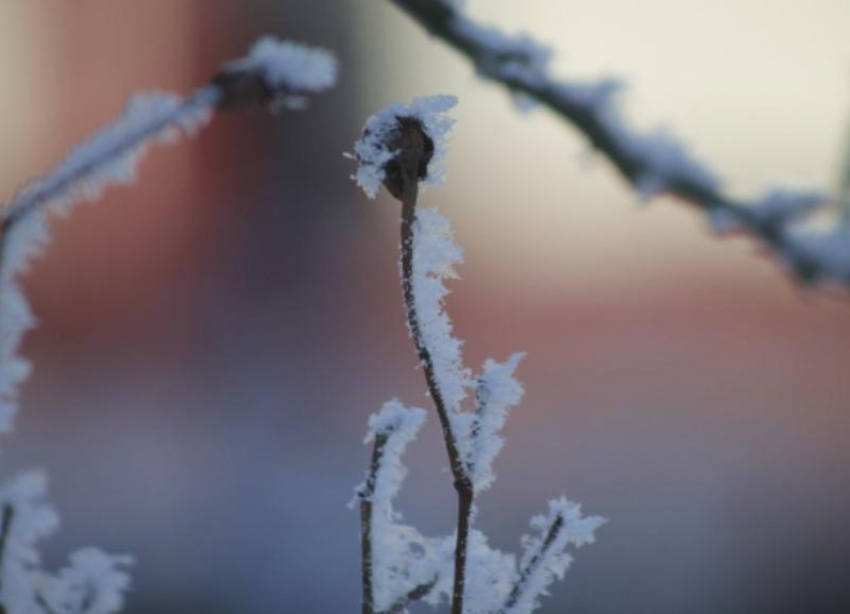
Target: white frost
497,391
402,558
545,557
109,157
290,69
490,576
372,150
435,255
93,583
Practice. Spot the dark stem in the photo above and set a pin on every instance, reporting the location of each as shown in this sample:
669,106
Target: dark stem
41,601
8,515
462,481
6,518
533,564
417,593
366,510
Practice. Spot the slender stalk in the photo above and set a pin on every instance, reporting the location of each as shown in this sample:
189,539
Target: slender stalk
402,175
462,481
533,564
414,595
408,221
446,23
6,518
366,511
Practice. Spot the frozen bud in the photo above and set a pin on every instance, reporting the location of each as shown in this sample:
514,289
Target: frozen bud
402,144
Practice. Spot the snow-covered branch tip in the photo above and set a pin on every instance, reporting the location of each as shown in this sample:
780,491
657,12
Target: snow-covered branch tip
652,162
272,72
545,557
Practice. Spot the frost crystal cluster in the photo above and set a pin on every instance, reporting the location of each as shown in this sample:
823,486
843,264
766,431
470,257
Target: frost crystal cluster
400,565
293,66
94,582
289,70
374,149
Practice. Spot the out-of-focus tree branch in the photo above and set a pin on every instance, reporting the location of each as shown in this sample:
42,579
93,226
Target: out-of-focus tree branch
651,163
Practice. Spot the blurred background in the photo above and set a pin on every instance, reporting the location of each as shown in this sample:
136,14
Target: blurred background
213,339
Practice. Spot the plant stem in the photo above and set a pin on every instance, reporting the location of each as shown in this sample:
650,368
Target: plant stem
462,481
366,512
533,564
8,515
417,593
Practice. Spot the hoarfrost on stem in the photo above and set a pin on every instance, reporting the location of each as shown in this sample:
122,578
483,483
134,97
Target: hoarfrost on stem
497,390
399,564
402,560
435,256
545,557
92,583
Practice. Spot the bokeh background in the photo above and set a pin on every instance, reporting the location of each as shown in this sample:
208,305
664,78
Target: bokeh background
213,339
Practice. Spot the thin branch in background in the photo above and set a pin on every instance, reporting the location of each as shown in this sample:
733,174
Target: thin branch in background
277,73
652,163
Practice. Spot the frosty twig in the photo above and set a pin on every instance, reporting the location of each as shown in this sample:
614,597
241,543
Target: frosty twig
402,147
652,163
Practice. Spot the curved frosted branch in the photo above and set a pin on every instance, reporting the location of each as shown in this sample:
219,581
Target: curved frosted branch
280,73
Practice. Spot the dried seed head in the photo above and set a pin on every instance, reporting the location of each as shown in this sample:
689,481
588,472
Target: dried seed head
413,151
404,144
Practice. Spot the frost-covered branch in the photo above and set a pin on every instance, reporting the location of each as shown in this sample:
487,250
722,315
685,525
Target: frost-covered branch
273,72
401,147
279,73
399,564
545,558
652,163
92,583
